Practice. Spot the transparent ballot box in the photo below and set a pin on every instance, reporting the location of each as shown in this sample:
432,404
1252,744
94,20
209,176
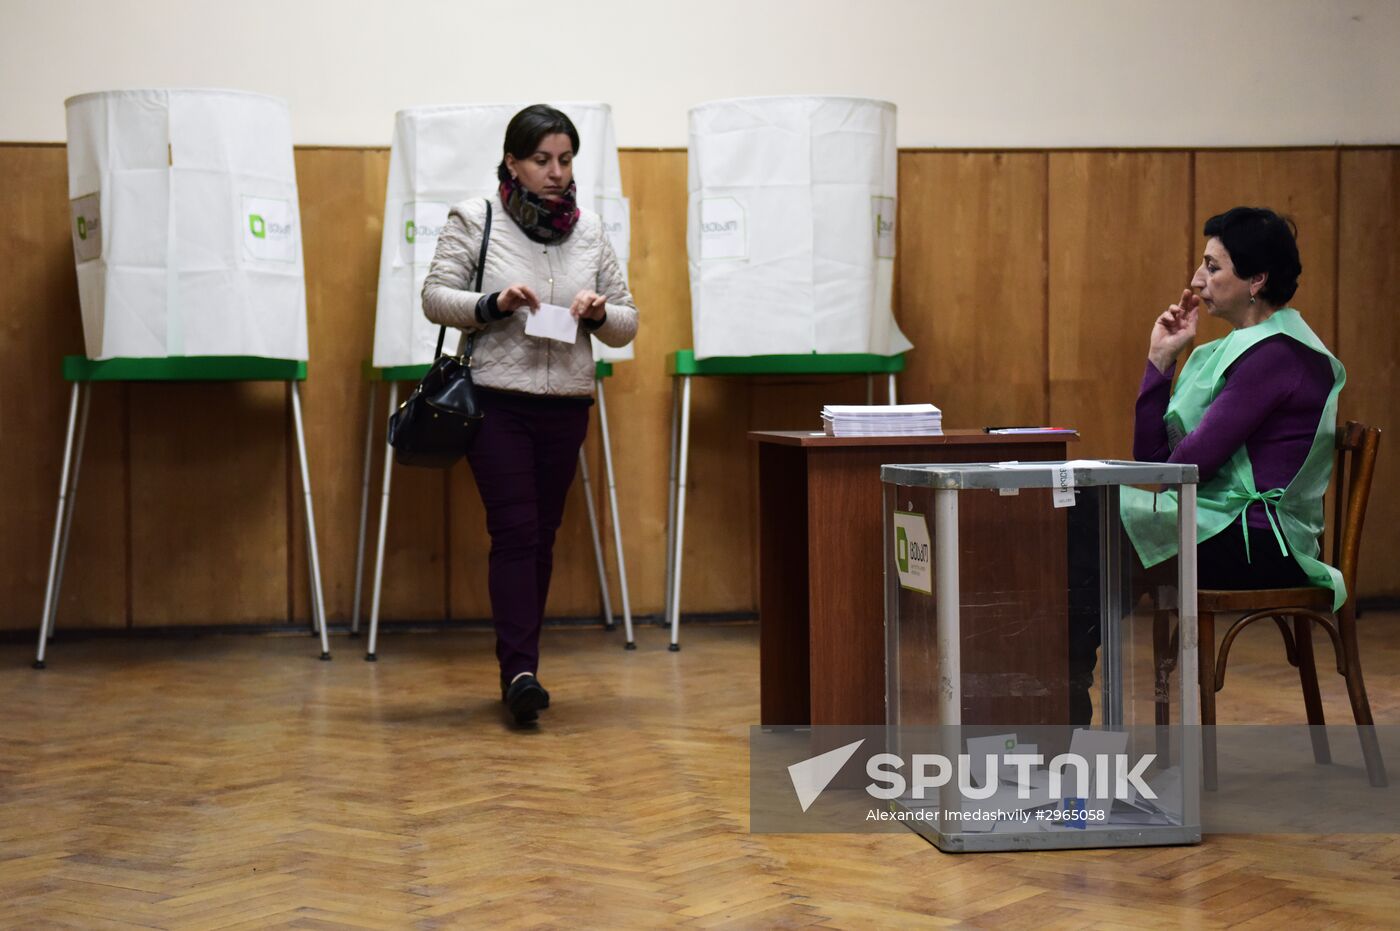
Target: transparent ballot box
1041,683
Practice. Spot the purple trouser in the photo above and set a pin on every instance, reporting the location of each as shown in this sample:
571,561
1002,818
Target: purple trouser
524,460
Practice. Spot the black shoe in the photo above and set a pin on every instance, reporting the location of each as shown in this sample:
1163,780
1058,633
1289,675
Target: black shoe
505,689
526,698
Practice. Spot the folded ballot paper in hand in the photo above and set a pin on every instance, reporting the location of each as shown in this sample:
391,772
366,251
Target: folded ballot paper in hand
882,420
552,322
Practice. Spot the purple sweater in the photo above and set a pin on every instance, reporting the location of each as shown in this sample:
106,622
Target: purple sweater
1271,403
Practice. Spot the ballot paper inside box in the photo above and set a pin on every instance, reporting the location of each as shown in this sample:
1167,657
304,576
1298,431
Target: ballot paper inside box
185,224
1020,626
791,226
443,155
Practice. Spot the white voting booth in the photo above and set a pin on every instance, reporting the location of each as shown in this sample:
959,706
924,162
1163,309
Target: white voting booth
187,242
791,226
442,155
186,228
790,234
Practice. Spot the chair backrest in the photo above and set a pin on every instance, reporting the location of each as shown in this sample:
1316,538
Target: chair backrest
1355,468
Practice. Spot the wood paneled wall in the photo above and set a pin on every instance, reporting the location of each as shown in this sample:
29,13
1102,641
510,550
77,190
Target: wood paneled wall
1027,281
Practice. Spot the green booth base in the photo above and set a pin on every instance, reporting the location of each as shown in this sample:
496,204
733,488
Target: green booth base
416,372
184,368
683,362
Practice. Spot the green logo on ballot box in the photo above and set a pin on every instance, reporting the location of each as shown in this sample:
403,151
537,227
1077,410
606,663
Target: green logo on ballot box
912,552
257,226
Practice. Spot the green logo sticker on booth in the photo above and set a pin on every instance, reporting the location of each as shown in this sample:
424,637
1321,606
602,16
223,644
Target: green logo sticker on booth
270,232
883,210
421,222
86,213
912,552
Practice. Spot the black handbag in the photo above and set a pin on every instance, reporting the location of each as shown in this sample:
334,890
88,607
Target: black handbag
436,425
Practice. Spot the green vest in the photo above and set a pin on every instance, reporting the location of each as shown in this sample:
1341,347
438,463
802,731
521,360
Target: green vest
1294,513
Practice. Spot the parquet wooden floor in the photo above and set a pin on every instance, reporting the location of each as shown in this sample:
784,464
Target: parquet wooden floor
236,782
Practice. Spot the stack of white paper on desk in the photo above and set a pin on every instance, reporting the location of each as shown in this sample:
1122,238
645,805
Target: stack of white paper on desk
882,420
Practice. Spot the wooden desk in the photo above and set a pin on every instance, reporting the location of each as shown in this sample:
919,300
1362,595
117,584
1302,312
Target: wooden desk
821,563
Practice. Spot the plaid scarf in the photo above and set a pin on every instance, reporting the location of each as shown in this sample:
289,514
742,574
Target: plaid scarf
545,221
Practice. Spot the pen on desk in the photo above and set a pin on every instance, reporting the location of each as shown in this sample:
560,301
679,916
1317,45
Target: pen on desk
1028,429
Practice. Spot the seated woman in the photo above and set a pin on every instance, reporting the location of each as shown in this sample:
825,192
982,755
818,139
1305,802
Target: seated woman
1255,411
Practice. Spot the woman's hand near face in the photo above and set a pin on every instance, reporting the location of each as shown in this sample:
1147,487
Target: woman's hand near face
515,297
588,305
1173,331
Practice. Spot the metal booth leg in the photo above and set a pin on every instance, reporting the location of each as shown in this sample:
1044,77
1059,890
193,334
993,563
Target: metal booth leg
597,543
364,512
631,643
671,503
84,405
680,515
317,613
370,656
63,518
318,599
892,393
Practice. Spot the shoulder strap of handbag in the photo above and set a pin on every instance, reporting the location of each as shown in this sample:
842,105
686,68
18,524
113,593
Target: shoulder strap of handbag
480,267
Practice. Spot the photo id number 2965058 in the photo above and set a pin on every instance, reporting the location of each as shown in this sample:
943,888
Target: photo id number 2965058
1070,814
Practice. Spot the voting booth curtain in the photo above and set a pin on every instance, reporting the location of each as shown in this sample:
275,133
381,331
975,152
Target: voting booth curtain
791,226
444,155
185,223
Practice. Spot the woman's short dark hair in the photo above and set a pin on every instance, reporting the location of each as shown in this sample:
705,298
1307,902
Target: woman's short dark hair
528,127
1260,240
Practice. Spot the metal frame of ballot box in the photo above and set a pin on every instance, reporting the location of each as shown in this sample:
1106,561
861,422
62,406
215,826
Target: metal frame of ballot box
393,376
946,483
82,372
682,366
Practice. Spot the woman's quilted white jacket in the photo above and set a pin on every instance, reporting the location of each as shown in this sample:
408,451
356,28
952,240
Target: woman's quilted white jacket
505,358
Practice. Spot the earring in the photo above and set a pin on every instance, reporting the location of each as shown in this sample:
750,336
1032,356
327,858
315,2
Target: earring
1251,298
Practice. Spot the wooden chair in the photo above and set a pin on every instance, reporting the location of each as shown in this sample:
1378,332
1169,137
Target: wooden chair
1355,468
